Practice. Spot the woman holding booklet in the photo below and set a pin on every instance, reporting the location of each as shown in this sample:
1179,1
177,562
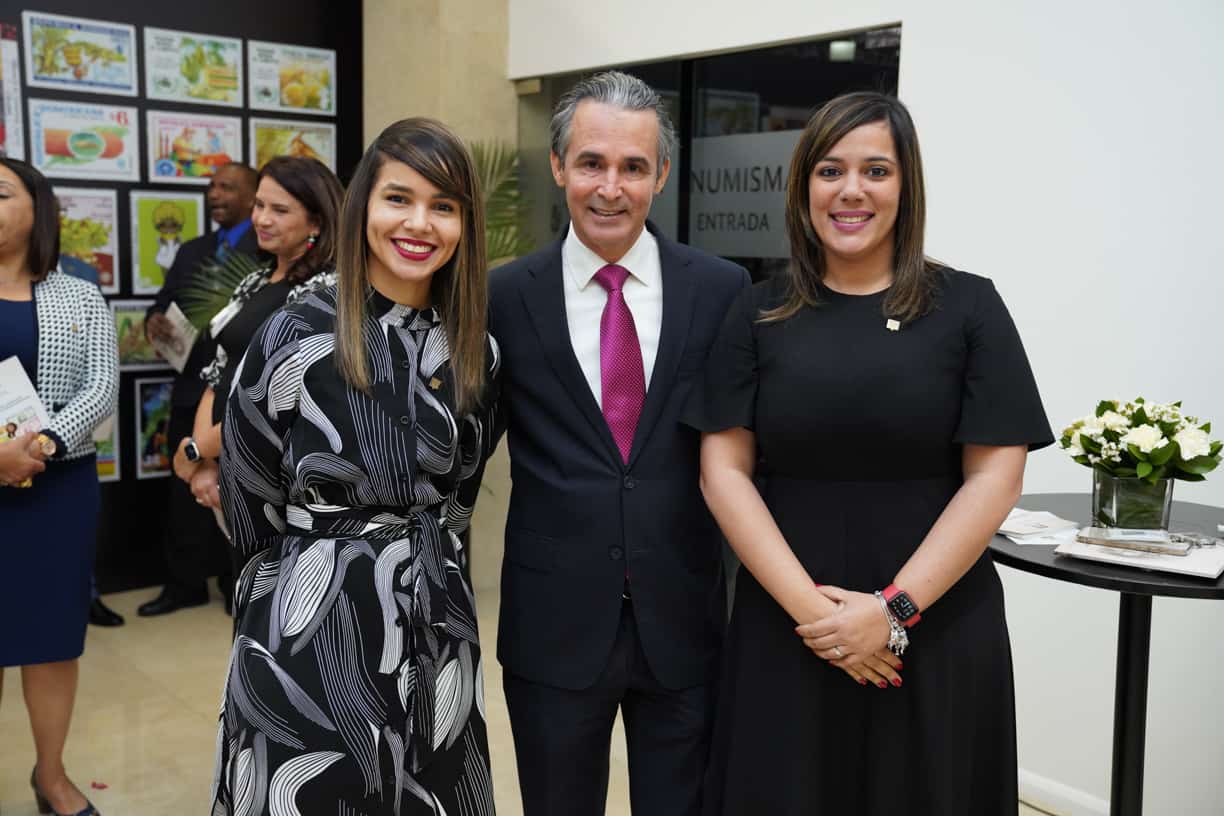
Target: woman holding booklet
60,330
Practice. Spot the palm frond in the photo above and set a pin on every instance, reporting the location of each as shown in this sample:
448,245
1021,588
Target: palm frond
212,285
497,165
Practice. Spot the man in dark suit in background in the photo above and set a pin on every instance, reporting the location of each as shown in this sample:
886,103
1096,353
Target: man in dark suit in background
612,587
192,542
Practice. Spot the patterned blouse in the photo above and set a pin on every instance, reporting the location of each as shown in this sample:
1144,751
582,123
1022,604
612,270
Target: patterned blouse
356,648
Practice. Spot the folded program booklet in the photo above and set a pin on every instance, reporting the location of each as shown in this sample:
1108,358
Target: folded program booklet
21,411
177,348
1020,523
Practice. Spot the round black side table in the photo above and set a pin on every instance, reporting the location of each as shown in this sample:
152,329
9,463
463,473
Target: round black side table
1137,587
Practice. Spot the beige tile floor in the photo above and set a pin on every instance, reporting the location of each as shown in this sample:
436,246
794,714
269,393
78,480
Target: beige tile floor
146,714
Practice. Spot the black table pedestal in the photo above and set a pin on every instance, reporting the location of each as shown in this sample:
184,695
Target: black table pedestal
1136,588
1130,704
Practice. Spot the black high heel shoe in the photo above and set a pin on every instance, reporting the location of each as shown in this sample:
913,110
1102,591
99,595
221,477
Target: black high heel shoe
44,806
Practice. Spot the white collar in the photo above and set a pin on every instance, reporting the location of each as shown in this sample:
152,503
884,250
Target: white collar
581,263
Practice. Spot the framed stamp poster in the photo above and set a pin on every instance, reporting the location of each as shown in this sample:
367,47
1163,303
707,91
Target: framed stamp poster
136,353
161,223
12,130
285,137
106,445
291,78
81,140
153,428
188,148
196,68
78,54
89,229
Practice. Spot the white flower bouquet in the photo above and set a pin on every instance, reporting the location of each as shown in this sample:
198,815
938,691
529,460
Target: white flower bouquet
1136,449
1145,440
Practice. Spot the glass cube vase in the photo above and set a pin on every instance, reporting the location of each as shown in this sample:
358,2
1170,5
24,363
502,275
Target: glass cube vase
1120,501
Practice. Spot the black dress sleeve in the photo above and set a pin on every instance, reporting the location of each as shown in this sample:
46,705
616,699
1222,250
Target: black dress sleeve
1000,404
724,395
479,433
260,414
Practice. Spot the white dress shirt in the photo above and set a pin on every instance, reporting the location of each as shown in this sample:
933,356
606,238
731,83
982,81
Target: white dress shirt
585,300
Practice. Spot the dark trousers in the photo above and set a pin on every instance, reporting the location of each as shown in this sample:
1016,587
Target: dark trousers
562,737
193,544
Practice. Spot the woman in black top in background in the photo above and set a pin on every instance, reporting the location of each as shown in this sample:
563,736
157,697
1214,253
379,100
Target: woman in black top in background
297,205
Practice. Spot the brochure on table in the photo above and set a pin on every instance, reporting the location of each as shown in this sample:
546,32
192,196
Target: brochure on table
1036,527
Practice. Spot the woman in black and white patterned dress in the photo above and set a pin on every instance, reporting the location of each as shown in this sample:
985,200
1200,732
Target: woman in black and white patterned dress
353,446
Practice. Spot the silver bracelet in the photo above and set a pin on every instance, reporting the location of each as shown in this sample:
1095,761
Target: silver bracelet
898,638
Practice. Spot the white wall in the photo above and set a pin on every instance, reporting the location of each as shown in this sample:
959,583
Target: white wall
1072,154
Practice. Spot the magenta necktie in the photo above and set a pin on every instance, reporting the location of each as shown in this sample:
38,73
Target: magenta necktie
620,361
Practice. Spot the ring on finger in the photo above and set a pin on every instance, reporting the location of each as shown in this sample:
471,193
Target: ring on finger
838,651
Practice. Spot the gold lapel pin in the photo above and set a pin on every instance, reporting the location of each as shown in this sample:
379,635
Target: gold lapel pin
435,383
893,325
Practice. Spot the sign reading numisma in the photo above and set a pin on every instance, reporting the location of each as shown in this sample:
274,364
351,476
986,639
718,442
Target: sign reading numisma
737,194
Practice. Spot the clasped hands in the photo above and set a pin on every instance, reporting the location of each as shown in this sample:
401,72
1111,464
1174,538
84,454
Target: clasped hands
21,458
854,638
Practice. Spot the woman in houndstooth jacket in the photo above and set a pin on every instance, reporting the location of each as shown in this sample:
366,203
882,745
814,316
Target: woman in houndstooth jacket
61,331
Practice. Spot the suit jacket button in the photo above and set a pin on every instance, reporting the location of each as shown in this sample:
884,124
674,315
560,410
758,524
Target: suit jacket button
405,420
616,553
629,483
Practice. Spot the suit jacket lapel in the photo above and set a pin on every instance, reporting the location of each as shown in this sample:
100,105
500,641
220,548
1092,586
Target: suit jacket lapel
679,297
544,298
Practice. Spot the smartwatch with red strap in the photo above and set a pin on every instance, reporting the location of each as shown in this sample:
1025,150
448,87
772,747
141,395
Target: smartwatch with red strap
901,605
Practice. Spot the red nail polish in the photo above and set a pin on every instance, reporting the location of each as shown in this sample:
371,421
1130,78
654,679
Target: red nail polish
819,585
897,682
862,682
900,665
882,684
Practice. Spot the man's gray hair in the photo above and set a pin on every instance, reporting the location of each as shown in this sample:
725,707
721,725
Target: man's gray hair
619,90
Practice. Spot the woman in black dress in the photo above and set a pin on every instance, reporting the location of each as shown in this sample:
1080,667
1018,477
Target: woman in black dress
60,330
885,405
353,446
296,210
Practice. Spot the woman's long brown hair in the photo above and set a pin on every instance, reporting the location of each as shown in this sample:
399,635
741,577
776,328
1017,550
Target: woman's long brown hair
912,293
459,290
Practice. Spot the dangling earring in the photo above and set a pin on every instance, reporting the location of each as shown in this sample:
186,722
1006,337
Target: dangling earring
310,240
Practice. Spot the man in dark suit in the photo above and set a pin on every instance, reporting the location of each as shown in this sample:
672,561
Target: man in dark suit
612,589
192,542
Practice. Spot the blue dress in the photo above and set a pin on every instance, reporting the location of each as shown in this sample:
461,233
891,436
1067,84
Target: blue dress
47,535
